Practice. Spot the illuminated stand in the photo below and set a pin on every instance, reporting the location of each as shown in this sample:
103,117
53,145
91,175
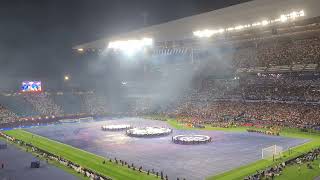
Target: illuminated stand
119,127
148,132
191,139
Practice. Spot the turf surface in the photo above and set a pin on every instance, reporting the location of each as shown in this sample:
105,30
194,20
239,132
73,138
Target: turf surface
83,158
290,172
92,161
228,150
17,162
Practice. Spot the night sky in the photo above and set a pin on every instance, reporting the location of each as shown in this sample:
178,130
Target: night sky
36,36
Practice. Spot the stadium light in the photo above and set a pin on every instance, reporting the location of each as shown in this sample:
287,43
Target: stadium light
294,14
130,46
207,33
66,77
265,22
283,18
80,50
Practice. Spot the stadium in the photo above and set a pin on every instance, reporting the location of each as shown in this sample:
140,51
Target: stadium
232,93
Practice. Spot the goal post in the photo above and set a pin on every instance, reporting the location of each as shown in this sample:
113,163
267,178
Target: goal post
272,151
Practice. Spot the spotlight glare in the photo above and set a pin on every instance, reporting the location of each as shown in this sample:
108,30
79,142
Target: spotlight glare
66,77
130,47
264,22
283,18
130,43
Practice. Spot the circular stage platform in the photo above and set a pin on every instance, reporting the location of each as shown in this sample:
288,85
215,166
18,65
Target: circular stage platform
148,132
118,127
191,139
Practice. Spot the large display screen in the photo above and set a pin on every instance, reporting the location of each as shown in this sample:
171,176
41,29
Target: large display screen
31,86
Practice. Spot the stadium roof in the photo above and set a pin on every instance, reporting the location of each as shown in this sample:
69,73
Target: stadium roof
244,13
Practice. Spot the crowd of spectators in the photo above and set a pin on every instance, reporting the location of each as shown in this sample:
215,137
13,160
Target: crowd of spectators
48,109
220,99
281,101
282,114
94,104
277,87
274,133
276,51
43,104
7,116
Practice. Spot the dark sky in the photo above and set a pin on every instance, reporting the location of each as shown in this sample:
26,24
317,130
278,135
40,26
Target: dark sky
36,36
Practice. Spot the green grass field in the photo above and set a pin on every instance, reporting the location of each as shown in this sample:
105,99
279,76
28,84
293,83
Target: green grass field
83,158
115,171
290,172
52,162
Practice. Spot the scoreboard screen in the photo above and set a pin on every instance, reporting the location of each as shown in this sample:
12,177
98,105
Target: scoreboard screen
31,86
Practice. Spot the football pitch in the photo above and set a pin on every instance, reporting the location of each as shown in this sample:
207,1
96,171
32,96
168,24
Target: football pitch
229,150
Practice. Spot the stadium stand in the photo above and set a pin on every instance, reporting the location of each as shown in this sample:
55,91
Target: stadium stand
94,104
18,105
7,116
274,80
68,101
278,51
265,113
43,104
275,74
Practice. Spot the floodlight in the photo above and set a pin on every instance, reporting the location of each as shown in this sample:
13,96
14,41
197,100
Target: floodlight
221,31
230,29
294,15
283,18
264,22
66,77
203,33
132,46
239,27
206,33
